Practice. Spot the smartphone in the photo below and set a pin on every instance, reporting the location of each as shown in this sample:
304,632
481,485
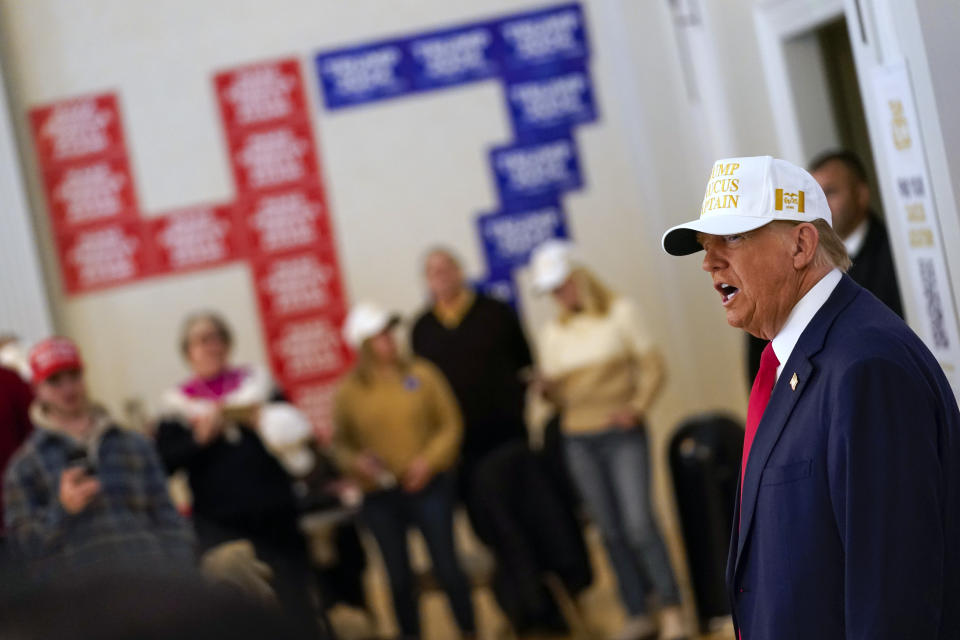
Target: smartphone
78,458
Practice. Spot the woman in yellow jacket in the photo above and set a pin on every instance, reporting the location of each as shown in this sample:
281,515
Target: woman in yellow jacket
398,432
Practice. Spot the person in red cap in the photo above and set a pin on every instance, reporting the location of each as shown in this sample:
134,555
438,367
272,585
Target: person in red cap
83,494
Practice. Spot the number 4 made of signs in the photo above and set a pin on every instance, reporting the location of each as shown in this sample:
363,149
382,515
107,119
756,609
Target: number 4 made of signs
278,222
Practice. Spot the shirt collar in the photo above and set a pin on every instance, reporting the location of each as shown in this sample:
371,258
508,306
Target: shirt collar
46,430
854,241
801,315
452,316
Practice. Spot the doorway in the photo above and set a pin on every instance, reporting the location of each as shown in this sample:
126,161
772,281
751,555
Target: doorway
843,90
812,78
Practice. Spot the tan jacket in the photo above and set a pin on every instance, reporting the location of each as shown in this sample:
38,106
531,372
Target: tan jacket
593,363
398,419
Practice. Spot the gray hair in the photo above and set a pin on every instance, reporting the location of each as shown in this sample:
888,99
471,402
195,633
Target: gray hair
446,252
831,252
214,318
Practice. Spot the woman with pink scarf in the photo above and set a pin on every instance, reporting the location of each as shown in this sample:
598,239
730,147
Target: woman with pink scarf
210,428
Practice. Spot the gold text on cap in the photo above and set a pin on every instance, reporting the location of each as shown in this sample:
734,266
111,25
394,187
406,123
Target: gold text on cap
789,201
721,188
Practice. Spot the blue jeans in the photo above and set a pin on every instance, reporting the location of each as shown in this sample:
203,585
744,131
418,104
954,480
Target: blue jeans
388,514
611,469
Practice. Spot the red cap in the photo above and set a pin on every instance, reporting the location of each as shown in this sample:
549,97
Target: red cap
52,356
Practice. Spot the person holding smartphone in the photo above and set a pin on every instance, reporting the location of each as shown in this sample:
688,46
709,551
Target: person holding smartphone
83,494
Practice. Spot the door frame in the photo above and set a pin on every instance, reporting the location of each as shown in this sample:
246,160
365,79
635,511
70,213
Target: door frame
796,81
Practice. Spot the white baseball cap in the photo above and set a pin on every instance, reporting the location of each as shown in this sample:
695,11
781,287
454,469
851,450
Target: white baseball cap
366,320
552,263
744,194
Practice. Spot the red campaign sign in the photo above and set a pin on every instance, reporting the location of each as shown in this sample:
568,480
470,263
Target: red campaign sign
280,220
307,348
104,255
196,237
91,191
287,220
260,94
297,284
280,156
76,129
315,399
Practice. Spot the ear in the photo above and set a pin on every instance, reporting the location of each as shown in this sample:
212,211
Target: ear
806,239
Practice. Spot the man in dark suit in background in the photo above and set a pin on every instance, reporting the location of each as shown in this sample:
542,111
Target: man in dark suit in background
843,178
848,513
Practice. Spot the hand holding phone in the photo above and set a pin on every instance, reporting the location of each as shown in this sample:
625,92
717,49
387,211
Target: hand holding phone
77,489
79,458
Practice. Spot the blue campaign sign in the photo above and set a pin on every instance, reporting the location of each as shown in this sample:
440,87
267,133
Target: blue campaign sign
454,56
536,169
509,237
364,74
542,102
543,37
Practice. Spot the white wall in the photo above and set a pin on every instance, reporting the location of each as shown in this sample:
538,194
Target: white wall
733,89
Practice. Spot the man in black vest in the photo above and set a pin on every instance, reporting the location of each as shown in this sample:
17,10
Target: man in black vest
479,345
515,506
843,178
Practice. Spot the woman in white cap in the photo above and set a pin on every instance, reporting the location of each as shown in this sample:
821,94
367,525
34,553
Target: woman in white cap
398,432
600,369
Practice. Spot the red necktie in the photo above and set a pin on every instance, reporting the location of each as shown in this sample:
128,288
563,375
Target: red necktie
759,397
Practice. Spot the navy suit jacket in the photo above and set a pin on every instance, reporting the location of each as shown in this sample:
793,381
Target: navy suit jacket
850,516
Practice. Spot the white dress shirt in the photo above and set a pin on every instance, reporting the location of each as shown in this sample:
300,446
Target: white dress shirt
854,241
801,315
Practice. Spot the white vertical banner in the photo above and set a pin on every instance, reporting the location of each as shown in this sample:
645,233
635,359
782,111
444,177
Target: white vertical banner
916,215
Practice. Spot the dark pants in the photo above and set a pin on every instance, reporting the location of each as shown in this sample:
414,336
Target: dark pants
482,438
533,531
612,470
388,514
342,581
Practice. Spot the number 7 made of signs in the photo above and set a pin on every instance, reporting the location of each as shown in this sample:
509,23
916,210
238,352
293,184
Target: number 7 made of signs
278,223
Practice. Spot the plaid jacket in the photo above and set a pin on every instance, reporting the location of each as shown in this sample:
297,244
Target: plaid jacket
130,523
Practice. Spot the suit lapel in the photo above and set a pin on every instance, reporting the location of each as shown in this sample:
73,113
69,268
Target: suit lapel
781,405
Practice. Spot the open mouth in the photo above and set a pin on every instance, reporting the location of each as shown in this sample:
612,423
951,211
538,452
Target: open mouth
727,291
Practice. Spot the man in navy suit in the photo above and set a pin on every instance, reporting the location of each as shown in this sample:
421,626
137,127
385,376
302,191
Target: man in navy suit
843,178
847,522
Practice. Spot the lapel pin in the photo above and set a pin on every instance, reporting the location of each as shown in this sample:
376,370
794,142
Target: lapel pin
793,382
